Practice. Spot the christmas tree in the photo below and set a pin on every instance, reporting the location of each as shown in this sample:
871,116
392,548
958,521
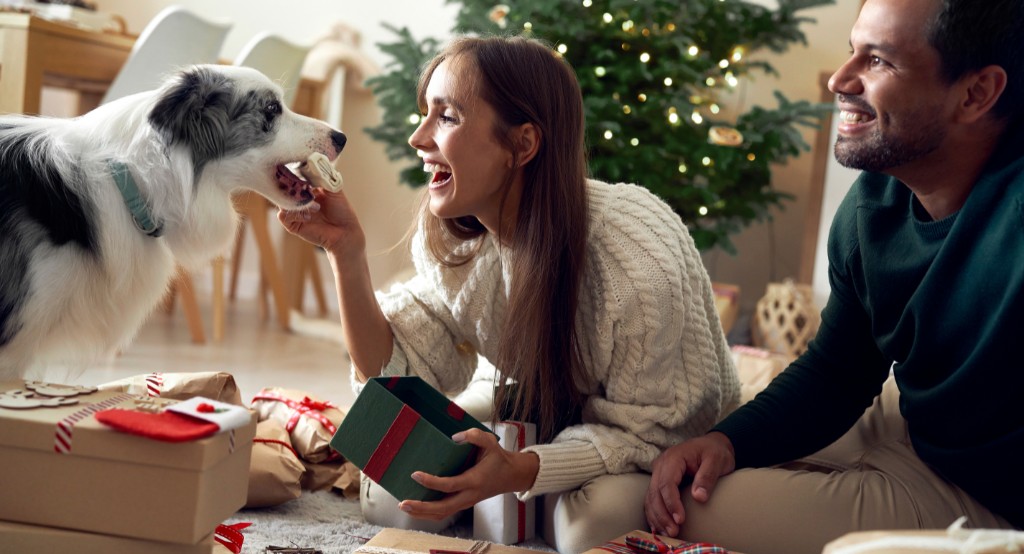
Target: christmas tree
653,73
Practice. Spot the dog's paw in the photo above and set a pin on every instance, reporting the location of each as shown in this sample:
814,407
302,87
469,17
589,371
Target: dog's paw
331,179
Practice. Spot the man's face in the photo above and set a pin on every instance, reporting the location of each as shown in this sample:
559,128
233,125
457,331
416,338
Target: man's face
894,106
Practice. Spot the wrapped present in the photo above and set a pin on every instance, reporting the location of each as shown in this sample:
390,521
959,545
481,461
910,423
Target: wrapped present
396,541
955,538
756,368
20,537
641,542
399,425
311,423
63,468
275,471
180,386
504,519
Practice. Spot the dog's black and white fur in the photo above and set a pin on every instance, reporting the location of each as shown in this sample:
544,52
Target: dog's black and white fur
77,276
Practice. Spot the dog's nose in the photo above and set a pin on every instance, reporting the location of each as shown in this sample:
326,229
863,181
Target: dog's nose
339,140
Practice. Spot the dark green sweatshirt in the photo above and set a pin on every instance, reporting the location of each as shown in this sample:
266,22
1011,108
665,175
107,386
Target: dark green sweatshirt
942,302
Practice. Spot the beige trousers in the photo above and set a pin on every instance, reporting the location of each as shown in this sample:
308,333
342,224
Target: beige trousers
868,479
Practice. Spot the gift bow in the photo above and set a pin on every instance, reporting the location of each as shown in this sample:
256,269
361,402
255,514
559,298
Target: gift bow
305,407
640,545
231,535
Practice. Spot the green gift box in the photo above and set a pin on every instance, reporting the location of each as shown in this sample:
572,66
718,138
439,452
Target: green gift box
399,425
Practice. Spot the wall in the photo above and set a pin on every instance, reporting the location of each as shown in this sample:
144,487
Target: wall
766,252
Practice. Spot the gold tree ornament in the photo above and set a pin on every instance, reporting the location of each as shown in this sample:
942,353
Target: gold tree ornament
724,136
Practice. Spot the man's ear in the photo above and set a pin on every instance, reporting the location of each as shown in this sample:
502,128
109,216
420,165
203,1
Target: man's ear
526,140
982,90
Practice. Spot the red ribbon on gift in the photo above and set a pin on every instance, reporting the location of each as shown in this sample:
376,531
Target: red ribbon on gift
305,407
391,443
231,535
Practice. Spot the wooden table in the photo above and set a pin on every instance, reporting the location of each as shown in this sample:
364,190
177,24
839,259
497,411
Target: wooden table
35,51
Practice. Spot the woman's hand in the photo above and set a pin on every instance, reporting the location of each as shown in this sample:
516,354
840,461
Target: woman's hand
707,458
329,221
497,471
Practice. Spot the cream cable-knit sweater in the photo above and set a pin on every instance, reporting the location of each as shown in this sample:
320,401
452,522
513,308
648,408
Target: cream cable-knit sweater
658,365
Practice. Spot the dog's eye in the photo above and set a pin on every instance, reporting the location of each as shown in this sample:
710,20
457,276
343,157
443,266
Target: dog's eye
273,109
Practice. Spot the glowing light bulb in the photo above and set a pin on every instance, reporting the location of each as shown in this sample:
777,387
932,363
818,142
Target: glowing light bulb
703,210
696,117
634,141
693,50
682,168
645,57
608,135
668,81
414,119
600,71
562,49
607,17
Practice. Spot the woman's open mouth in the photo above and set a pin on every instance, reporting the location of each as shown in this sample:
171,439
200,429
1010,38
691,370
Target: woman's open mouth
442,175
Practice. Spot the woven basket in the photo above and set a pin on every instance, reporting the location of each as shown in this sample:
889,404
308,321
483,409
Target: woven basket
785,318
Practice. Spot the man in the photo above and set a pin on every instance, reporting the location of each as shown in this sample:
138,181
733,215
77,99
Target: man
926,266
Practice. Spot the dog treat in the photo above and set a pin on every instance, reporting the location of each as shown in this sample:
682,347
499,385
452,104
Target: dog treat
332,179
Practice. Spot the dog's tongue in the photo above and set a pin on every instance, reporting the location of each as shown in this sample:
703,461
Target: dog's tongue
292,186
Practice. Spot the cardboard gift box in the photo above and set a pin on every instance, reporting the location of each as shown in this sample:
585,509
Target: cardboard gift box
399,425
60,467
955,538
20,537
642,542
504,518
390,540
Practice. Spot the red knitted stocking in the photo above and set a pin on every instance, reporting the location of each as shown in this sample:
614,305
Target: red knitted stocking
165,426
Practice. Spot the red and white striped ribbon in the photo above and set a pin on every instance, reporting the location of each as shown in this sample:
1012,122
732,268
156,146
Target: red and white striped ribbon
65,428
154,384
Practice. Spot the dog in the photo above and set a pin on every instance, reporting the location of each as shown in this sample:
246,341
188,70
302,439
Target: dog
97,211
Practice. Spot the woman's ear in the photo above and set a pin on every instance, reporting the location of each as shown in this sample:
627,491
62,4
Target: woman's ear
526,140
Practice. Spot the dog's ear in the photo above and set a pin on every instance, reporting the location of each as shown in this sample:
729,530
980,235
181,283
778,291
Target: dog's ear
193,111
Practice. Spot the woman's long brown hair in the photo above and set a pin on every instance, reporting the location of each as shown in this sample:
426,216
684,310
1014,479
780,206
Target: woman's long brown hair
539,350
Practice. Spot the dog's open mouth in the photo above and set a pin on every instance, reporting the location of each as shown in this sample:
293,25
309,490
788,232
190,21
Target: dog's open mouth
292,184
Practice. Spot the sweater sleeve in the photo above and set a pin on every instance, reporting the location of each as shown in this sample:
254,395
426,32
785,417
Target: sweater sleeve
820,395
427,338
658,365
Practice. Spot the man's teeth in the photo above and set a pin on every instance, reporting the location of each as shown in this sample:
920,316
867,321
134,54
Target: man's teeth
853,117
436,168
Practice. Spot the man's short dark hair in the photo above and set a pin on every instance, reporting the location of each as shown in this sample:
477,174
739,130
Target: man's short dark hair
972,34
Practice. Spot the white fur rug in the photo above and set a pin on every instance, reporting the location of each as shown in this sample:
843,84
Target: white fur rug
327,521
324,520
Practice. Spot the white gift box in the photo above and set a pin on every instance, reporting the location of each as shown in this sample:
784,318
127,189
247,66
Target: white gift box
504,519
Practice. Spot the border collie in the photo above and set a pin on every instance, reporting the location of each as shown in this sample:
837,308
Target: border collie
96,211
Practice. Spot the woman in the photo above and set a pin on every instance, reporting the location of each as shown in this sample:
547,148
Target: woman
590,297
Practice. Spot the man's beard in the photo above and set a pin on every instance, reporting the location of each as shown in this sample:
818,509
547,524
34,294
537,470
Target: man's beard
878,153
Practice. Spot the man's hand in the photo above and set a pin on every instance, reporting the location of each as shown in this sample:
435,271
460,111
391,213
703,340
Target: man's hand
707,458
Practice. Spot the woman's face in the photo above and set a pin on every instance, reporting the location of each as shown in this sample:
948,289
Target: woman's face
456,139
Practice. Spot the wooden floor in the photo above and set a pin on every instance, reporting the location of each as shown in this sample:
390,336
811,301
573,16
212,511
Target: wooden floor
255,350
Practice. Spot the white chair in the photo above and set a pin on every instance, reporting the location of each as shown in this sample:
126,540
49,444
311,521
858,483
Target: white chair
276,58
176,37
281,61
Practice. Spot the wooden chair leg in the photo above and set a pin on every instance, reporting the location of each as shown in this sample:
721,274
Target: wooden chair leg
236,259
218,299
268,261
316,279
189,305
